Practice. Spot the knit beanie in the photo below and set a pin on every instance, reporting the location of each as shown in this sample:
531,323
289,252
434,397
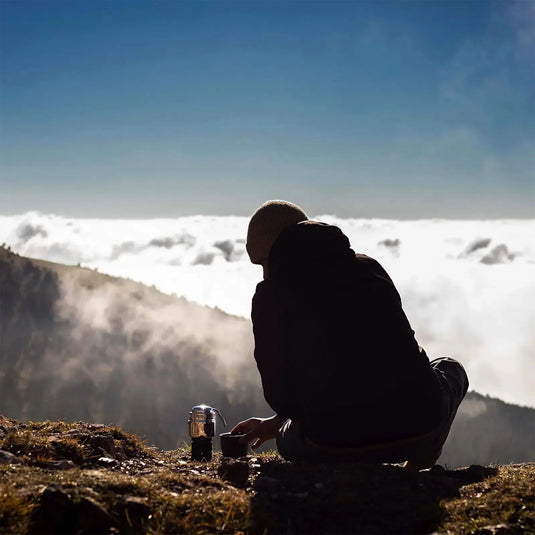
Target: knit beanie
267,223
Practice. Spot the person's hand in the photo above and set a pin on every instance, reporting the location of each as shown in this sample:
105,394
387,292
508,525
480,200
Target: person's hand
258,430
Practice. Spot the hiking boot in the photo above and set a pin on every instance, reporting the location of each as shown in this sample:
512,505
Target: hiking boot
423,461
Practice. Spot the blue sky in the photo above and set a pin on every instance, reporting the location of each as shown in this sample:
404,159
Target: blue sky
363,109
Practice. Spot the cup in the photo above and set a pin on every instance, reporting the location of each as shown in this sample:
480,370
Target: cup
232,446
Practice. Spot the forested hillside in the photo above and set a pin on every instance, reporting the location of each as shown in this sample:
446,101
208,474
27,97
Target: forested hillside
79,345
487,430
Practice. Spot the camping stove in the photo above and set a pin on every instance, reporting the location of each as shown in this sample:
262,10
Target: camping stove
202,424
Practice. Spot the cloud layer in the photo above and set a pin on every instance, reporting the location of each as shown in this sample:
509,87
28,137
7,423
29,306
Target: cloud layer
468,287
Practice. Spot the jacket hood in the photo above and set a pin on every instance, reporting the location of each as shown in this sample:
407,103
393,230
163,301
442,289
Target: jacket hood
307,246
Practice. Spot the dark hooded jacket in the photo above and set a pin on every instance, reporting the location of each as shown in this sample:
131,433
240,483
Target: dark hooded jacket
333,346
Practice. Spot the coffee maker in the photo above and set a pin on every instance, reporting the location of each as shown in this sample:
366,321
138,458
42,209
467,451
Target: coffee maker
202,424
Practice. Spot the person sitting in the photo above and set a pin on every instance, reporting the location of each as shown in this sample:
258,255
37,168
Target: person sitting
338,359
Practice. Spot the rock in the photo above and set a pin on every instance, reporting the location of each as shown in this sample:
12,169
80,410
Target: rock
92,517
73,433
106,461
64,464
95,427
234,471
56,513
266,483
438,469
8,458
135,510
107,446
120,454
498,529
476,470
103,444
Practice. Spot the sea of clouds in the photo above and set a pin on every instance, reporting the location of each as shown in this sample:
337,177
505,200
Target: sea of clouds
468,287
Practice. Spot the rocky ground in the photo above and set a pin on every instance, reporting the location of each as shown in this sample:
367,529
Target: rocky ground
86,478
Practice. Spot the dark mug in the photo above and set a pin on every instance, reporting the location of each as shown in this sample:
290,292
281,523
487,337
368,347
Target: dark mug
232,445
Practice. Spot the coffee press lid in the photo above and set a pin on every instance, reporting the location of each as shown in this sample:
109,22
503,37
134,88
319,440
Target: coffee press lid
208,411
201,407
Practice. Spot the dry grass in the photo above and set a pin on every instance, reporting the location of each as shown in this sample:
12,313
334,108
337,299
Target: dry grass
30,445
146,491
506,499
15,509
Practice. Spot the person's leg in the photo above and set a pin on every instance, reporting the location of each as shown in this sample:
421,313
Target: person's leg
454,384
293,446
291,442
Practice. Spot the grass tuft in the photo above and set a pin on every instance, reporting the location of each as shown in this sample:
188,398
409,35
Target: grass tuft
15,509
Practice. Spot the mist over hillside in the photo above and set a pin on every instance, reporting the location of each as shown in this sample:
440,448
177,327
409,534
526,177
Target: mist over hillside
80,345
467,286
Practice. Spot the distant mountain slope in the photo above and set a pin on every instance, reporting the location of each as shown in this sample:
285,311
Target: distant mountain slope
488,430
79,345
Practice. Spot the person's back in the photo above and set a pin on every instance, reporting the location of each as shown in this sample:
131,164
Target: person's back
350,359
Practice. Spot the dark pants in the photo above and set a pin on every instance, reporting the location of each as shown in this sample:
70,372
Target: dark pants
421,451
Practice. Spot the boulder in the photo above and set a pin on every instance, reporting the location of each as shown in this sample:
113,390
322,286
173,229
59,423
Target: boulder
234,471
8,458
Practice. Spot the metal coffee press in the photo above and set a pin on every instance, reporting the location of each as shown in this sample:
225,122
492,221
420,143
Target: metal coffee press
202,430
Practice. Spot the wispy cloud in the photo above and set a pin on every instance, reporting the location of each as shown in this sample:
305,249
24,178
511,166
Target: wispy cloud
492,72
521,14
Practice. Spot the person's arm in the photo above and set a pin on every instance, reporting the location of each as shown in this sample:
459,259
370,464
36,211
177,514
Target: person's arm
269,352
258,430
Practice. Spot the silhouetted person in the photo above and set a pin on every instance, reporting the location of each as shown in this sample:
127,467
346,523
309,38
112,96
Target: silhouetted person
337,356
